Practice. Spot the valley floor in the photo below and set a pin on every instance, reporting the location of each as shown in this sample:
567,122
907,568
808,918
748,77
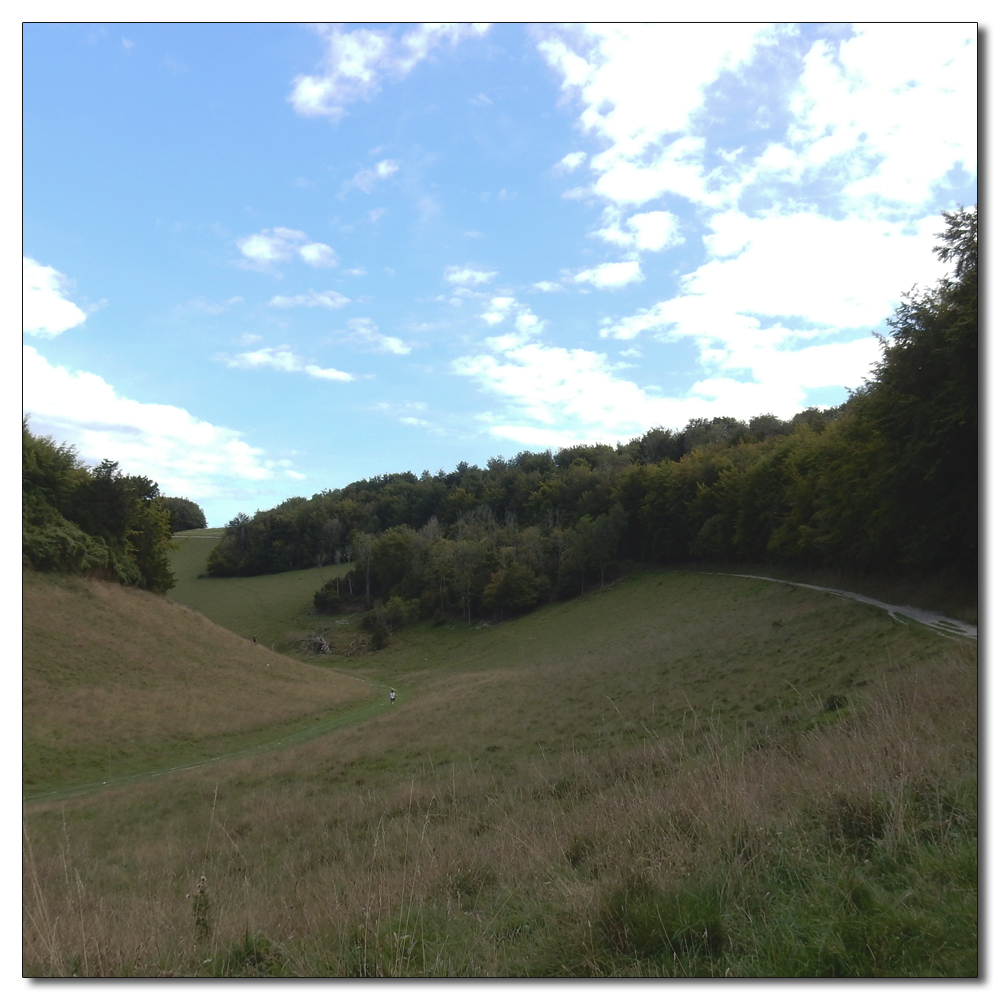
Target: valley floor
679,775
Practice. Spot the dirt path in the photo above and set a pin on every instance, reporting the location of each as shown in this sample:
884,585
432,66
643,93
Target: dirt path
901,612
292,738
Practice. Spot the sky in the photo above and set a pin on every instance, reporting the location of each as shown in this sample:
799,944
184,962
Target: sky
264,260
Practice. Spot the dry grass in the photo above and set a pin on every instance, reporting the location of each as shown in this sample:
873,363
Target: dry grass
116,679
530,812
460,859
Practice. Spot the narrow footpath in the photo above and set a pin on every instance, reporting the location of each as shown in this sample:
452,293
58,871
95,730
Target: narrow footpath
901,612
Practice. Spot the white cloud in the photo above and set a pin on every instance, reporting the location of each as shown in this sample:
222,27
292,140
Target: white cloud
500,306
551,384
739,310
46,311
901,96
367,331
547,286
328,300
357,62
467,275
526,323
557,396
773,288
779,306
272,246
366,179
613,275
569,163
318,255
841,273
405,412
330,374
880,117
212,308
184,455
282,359
643,231
645,128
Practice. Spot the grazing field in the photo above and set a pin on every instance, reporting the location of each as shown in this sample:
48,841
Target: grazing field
679,774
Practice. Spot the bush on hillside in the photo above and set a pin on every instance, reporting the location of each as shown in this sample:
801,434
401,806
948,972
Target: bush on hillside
383,619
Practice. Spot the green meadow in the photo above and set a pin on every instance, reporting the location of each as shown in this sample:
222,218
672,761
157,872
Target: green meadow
678,774
269,607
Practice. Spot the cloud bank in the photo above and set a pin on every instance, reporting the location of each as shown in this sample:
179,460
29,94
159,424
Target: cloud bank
184,455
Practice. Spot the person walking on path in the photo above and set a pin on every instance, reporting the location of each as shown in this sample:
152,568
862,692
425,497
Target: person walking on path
392,696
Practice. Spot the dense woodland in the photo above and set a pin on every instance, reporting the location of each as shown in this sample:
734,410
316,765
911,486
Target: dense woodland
886,482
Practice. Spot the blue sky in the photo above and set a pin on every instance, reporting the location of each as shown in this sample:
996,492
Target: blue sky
266,260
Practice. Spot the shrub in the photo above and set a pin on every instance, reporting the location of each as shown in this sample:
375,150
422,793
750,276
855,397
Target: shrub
383,619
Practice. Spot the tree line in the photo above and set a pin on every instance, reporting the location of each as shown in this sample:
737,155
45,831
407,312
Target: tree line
888,482
96,521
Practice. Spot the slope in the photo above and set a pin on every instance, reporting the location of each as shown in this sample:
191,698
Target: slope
796,772
266,606
117,681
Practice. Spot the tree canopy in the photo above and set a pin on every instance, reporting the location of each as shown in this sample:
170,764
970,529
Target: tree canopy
184,514
886,481
80,520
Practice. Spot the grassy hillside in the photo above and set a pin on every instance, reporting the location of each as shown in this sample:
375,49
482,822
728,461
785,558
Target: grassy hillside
678,775
117,681
270,607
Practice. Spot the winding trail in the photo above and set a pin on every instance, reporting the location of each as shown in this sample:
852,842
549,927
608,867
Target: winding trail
292,738
900,612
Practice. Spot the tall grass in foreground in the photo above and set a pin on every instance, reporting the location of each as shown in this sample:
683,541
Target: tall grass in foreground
840,844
